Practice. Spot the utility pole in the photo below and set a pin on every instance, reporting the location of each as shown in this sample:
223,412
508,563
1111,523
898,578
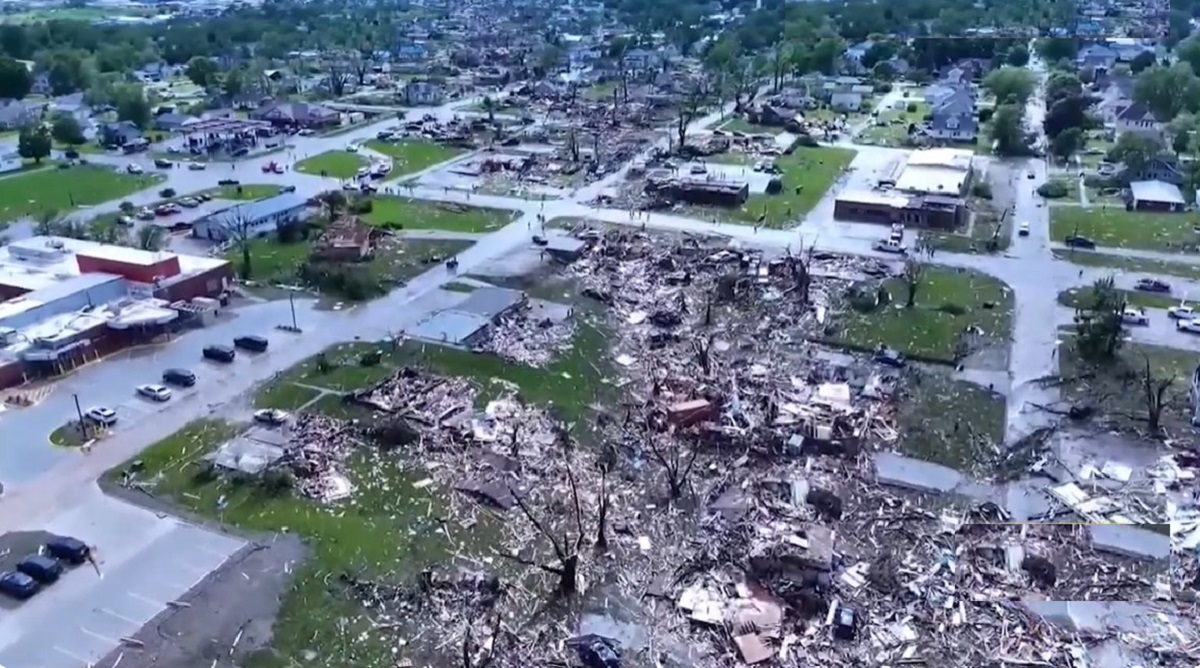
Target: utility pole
79,412
292,304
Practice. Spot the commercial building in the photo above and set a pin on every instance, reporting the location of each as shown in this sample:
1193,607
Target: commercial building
470,323
254,219
933,171
925,190
66,301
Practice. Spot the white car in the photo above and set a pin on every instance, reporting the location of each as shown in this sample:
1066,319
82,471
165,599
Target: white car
1181,312
1023,229
353,148
271,416
197,166
1189,326
155,392
890,246
133,169
1135,317
101,415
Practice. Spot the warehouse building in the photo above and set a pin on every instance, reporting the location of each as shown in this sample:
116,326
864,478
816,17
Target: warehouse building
67,301
890,207
254,219
934,171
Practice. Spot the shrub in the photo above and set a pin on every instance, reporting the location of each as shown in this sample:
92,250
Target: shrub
985,114
1052,190
982,189
362,206
950,308
911,107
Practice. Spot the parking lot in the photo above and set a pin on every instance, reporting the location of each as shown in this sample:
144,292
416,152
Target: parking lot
143,562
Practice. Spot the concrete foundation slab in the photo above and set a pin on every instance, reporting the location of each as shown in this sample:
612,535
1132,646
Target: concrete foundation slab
914,474
1130,541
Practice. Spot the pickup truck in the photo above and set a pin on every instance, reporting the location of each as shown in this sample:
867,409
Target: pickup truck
1189,326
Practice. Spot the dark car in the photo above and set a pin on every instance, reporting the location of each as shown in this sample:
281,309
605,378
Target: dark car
68,549
288,189
71,154
18,585
180,377
1153,285
228,182
540,241
888,357
163,163
1075,241
42,568
220,353
257,344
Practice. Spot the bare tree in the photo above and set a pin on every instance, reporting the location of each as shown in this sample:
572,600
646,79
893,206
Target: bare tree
677,464
913,273
602,514
150,238
1155,390
689,109
566,548
337,79
240,228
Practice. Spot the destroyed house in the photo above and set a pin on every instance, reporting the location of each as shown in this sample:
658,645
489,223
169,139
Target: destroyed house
469,324
704,191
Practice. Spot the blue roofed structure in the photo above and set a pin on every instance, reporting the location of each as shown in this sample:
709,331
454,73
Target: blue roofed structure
259,218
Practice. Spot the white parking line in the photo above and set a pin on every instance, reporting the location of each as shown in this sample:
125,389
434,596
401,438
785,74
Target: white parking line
93,634
134,594
120,617
72,655
220,554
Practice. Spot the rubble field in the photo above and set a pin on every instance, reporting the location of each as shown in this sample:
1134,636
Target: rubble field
689,482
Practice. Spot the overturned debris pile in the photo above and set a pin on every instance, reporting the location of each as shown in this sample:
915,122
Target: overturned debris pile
526,337
316,453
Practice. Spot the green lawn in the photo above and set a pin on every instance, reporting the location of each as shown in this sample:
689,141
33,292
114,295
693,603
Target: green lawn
1114,387
812,171
64,190
395,212
338,164
245,191
1116,227
950,422
947,302
389,529
410,157
1077,297
284,396
1133,264
890,128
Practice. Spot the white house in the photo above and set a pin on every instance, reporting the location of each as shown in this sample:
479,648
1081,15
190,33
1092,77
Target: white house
1138,119
419,92
10,160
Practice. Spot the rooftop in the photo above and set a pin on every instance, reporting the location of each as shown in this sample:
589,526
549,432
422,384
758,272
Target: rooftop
950,158
263,208
39,262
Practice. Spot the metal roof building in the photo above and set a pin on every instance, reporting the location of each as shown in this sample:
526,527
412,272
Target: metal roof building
260,218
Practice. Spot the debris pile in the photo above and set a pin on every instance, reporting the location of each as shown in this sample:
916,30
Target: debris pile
316,453
526,338
424,399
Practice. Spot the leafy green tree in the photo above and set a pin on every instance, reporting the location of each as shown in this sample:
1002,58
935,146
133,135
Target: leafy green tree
1006,130
1017,56
15,79
1189,52
1134,150
201,71
1067,143
1053,49
34,143
132,105
66,130
1099,327
1144,61
1010,85
1167,91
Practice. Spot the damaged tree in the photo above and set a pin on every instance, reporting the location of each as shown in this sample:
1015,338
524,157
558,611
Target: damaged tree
602,513
676,464
1099,322
913,272
689,109
566,549
1155,394
337,79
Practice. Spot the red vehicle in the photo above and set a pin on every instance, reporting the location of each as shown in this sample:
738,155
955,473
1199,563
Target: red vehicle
272,167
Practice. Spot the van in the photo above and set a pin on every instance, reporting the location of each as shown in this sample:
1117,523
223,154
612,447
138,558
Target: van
180,377
219,353
256,344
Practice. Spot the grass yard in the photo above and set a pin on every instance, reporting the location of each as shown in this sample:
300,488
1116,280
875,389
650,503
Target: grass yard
891,126
807,174
745,126
400,212
1116,227
949,422
947,302
1115,387
976,238
63,190
1133,264
285,396
244,192
410,157
338,164
1077,297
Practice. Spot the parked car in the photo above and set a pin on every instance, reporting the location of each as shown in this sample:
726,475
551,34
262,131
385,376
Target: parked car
163,163
1189,326
133,169
204,197
197,166
288,189
219,353
43,568
1153,285
228,182
145,214
890,246
180,377
272,416
1023,229
540,240
1075,241
71,154
1134,317
101,415
1181,312
256,344
1030,175
68,549
16,584
155,392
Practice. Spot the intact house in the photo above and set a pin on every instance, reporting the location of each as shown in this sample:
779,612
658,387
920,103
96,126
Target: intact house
847,101
170,121
422,92
1138,119
953,118
1163,168
15,114
123,135
252,219
1154,196
1116,95
1098,58
297,114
